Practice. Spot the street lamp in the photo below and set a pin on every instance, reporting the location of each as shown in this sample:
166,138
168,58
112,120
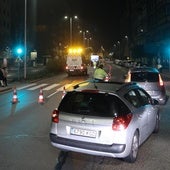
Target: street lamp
84,35
71,27
25,42
126,47
88,41
118,44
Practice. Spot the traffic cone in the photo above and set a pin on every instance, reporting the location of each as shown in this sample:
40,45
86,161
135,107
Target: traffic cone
41,97
14,98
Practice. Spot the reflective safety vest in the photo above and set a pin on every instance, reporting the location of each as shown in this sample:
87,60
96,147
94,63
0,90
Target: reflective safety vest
99,74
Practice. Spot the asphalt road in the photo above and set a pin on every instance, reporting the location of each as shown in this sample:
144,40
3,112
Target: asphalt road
24,132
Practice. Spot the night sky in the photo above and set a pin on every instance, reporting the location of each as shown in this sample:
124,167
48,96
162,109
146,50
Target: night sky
101,16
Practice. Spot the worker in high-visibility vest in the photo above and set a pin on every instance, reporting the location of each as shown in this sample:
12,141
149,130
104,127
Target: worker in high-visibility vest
100,74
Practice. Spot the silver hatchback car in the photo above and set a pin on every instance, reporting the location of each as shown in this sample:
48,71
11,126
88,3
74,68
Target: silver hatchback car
149,79
105,119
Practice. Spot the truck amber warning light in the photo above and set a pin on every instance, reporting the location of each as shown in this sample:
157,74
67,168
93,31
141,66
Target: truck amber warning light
75,50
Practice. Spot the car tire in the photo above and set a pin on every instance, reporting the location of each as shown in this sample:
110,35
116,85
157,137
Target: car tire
156,129
131,158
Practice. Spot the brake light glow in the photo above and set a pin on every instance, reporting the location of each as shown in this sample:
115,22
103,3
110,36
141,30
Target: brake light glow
81,68
64,92
161,83
66,67
55,116
128,78
121,122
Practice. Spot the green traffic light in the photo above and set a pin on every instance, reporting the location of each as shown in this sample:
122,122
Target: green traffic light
19,50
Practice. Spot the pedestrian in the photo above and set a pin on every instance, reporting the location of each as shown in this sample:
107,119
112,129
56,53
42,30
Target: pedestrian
100,74
1,77
4,70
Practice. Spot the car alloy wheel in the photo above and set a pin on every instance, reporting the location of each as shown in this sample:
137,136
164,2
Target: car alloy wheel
134,149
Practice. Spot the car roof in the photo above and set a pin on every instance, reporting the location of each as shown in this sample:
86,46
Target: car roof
108,87
144,69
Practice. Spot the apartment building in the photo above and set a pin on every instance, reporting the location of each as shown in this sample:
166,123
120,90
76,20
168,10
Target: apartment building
5,23
149,29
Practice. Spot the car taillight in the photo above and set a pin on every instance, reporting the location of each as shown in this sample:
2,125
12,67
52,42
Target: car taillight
66,67
121,122
106,79
128,78
55,116
64,92
81,67
161,83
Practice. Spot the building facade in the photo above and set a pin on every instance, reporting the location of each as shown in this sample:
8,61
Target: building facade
5,23
148,30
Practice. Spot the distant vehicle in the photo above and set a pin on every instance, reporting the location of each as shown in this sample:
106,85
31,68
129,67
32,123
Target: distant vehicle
150,79
75,64
104,119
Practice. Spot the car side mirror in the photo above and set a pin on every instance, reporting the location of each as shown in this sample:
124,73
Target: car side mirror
154,102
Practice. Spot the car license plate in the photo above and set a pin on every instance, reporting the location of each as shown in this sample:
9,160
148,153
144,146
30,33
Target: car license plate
71,70
83,132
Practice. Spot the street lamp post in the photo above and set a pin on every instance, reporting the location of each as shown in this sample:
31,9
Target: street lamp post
71,28
84,36
71,31
118,44
25,42
88,41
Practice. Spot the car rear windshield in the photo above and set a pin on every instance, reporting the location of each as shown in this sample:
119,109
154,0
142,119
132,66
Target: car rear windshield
145,76
93,104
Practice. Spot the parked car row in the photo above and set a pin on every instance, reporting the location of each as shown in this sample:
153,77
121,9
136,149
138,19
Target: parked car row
129,63
106,118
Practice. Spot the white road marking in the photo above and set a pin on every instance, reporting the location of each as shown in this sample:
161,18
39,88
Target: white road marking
51,87
59,90
38,86
24,87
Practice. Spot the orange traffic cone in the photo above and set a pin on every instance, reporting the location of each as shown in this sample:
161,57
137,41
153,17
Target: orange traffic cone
14,98
41,97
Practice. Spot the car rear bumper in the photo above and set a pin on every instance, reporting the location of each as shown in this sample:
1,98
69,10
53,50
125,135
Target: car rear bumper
87,147
76,71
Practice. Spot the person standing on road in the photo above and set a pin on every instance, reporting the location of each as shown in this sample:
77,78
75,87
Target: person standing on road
100,74
1,77
4,71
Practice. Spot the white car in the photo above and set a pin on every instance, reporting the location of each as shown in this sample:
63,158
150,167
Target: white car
105,119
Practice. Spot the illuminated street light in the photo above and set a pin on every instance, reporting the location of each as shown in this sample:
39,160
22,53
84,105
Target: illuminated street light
71,27
88,41
84,35
118,42
126,48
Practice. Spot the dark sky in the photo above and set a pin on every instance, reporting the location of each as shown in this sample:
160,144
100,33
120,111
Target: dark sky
102,16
